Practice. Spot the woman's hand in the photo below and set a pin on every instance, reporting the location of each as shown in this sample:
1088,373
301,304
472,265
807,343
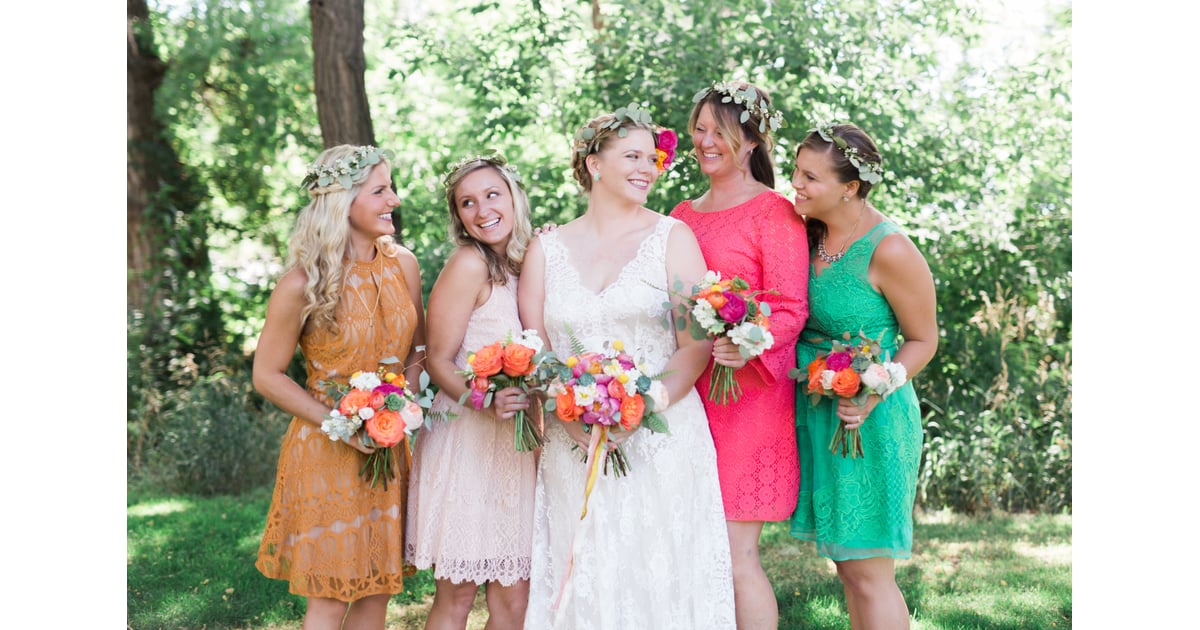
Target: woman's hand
855,415
543,228
726,353
616,437
358,444
507,402
575,432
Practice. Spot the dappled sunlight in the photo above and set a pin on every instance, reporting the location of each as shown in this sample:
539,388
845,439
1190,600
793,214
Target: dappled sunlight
158,508
1049,554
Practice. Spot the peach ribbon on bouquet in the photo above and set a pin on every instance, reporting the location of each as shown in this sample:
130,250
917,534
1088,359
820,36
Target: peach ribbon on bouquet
594,460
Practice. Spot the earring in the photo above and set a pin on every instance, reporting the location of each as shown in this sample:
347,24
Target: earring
845,199
596,176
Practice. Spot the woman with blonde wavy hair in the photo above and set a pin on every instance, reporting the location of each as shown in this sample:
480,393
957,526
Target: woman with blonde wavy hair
350,298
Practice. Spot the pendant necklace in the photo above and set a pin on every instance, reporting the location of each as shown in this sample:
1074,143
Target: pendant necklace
378,262
825,256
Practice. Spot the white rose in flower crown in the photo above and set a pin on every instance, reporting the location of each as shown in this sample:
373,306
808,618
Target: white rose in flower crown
877,379
412,416
365,380
658,391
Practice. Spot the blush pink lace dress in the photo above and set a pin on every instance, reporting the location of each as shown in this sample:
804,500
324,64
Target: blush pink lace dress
470,504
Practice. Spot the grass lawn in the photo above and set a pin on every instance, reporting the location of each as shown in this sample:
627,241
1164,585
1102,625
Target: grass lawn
191,565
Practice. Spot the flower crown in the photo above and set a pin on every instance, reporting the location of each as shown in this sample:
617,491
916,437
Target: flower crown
751,102
344,171
871,172
665,140
492,157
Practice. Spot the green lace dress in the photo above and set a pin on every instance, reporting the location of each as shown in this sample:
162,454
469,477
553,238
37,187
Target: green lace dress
855,508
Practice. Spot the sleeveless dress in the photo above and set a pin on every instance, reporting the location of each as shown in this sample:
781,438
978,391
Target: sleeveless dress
763,242
470,508
328,533
855,508
653,551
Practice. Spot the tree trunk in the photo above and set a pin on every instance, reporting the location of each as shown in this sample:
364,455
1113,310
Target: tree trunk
338,67
144,73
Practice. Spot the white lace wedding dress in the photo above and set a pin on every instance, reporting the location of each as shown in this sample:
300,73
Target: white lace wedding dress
653,552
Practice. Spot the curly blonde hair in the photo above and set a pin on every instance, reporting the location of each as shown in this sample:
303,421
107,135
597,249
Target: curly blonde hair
320,242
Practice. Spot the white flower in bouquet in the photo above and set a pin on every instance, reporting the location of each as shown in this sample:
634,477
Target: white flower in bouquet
530,339
585,395
365,380
877,379
751,339
412,415
339,427
707,317
898,374
658,391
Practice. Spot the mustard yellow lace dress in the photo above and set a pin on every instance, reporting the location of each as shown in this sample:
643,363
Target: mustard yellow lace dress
328,533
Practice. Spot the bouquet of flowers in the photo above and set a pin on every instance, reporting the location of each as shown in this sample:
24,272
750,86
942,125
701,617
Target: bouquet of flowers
607,391
853,370
728,307
510,362
378,403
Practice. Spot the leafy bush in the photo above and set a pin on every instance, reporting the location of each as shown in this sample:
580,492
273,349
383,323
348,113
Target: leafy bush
213,438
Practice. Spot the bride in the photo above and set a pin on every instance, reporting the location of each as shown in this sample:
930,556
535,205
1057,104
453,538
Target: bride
653,551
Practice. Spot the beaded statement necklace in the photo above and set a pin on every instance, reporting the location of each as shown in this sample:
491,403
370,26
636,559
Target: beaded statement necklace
830,259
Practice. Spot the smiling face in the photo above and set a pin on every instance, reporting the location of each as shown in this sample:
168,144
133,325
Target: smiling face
716,151
371,211
485,207
818,191
627,166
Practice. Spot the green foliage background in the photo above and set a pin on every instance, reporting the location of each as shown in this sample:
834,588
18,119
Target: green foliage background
976,136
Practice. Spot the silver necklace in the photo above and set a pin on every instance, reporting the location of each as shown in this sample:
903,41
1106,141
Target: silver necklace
824,255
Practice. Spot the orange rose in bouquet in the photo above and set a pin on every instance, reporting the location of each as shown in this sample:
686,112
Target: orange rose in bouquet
378,404
726,308
607,391
850,370
511,362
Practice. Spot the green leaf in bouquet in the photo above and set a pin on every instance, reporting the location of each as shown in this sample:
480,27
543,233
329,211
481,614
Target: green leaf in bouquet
423,382
796,373
655,421
765,307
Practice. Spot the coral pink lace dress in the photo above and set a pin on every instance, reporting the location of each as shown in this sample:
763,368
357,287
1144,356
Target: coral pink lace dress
763,242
